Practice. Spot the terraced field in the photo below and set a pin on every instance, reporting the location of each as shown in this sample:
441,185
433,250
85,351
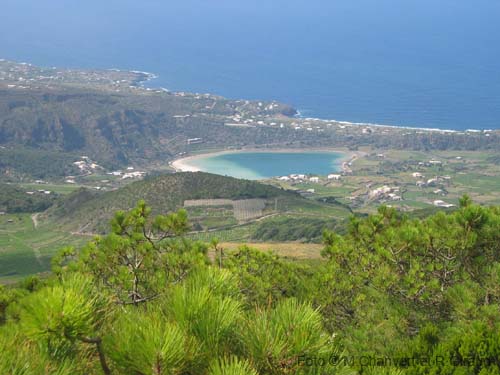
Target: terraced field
26,250
243,209
207,202
248,209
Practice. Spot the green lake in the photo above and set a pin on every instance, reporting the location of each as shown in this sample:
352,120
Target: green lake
261,165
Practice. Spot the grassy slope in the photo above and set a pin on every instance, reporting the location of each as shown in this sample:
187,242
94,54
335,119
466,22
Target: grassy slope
25,250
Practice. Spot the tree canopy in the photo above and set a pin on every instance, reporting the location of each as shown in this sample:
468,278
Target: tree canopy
393,295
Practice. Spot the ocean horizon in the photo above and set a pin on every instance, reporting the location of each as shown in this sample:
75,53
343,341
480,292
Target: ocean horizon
416,64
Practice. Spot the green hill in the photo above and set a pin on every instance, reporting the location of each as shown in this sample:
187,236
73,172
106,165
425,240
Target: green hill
89,212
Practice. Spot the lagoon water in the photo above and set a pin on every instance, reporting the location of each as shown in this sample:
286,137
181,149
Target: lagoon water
423,63
260,165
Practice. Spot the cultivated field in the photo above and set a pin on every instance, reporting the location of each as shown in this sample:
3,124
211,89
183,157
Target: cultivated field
25,250
243,210
248,209
207,202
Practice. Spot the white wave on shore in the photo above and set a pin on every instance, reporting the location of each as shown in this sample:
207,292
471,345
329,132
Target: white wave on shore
149,76
348,123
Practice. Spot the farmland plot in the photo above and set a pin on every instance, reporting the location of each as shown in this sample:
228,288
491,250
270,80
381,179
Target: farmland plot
210,217
208,202
244,210
248,209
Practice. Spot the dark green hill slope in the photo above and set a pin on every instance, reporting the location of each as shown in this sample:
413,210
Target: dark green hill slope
18,163
15,200
89,212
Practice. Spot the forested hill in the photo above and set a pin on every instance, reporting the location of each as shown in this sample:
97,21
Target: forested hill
89,211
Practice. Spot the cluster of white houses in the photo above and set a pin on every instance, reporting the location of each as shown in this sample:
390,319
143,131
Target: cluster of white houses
435,181
86,165
305,178
130,173
385,192
40,191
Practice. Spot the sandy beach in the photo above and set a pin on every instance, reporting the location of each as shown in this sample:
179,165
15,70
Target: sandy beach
187,164
182,165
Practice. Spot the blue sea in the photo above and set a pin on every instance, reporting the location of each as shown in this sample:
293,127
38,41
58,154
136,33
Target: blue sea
423,63
261,165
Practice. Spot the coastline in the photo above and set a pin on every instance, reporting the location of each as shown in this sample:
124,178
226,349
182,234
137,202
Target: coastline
185,163
402,127
298,113
144,80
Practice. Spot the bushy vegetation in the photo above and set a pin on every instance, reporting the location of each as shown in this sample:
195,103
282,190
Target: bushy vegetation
394,295
18,162
15,200
494,159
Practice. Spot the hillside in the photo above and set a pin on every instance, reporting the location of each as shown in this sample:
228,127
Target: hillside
114,129
18,163
110,117
89,212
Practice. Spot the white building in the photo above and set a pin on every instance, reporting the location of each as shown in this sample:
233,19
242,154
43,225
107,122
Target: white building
314,179
440,203
334,177
432,181
133,175
394,197
379,191
296,177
